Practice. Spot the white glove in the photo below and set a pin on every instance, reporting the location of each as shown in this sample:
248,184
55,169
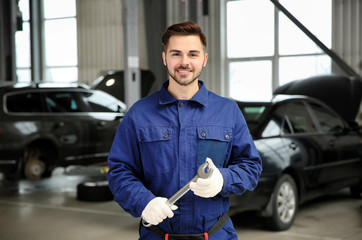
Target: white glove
157,210
208,187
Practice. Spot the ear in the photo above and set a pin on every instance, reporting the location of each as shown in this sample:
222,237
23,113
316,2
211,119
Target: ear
164,58
205,61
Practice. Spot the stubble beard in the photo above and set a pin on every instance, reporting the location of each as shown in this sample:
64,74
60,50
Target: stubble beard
181,80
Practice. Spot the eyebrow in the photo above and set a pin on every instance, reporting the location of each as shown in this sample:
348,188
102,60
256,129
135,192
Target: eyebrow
178,51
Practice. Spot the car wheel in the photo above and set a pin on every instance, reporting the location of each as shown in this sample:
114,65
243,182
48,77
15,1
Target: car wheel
284,205
94,191
34,166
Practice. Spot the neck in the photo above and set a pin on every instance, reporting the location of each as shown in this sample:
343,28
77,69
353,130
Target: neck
183,92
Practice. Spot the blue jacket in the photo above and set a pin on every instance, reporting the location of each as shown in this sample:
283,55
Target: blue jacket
159,146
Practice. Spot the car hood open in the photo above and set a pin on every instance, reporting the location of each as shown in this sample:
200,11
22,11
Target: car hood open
343,94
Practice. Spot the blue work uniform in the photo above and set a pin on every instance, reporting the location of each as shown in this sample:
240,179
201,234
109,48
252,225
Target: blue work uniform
159,146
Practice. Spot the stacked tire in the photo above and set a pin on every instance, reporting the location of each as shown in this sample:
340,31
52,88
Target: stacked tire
94,191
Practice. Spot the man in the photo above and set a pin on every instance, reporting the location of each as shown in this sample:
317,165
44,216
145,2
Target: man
165,137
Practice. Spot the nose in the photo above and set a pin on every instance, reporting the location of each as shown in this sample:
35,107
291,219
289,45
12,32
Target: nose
185,60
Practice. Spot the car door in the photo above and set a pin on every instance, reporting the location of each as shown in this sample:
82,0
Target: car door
314,155
273,146
70,126
346,143
21,122
106,113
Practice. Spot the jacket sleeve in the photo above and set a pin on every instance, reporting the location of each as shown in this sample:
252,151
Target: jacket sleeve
244,166
125,175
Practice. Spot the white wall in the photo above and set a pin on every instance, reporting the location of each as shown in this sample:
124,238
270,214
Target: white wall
347,32
100,38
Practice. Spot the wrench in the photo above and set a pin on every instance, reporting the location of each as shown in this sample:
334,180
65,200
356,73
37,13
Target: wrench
203,172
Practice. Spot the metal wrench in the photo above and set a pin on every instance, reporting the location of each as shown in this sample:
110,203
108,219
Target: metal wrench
203,172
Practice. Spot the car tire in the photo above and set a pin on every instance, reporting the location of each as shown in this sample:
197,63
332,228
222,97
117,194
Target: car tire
284,205
94,191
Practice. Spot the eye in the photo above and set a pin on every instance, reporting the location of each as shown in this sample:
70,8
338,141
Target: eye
193,55
175,54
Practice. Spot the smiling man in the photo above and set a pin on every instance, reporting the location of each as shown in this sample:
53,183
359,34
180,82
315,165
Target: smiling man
165,137
184,57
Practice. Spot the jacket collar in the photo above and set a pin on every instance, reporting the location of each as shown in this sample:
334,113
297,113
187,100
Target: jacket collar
200,97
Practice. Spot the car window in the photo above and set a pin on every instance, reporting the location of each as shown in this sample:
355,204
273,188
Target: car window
253,113
277,125
29,102
299,118
327,120
62,102
101,102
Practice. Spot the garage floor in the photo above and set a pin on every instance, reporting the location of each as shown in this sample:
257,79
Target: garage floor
48,210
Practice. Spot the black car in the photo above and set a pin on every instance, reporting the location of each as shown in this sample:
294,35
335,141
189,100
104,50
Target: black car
113,83
307,150
44,126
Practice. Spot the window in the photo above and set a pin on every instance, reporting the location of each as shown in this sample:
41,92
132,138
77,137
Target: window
60,31
62,102
273,128
29,102
252,115
277,125
22,45
246,79
299,118
308,66
265,49
101,102
327,121
248,36
247,28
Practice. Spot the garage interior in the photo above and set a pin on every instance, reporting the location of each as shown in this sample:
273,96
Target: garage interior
124,36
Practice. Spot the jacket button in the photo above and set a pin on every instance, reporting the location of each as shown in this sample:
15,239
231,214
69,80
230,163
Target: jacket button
142,138
165,135
227,136
182,104
203,134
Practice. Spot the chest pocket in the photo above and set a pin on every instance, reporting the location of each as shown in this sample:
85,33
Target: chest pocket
156,148
213,142
154,134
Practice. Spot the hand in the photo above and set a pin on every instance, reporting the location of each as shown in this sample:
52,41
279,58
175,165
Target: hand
157,210
208,187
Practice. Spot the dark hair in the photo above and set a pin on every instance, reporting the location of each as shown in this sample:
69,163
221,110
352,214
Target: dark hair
183,29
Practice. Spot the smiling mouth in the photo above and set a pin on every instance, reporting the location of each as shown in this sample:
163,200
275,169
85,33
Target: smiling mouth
183,71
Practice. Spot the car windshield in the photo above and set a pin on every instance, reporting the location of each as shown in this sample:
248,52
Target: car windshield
252,114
